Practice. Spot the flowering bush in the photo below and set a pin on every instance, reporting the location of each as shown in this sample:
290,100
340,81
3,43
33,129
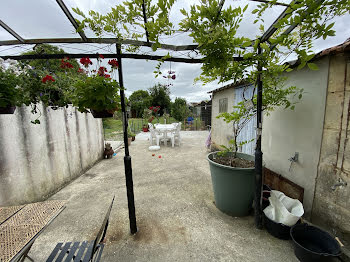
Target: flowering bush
155,109
51,88
98,91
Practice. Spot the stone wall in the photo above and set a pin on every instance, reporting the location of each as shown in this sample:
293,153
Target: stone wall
332,205
38,160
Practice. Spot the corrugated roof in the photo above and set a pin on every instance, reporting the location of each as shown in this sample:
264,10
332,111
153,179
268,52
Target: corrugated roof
341,48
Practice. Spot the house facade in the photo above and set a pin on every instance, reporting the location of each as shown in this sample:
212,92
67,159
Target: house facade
318,130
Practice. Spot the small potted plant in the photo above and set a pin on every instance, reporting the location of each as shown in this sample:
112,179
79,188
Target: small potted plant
147,115
131,135
9,91
97,93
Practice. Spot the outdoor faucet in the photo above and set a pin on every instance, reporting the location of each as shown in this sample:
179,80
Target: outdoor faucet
294,158
340,182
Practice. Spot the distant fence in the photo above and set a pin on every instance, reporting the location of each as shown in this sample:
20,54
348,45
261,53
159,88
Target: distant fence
136,125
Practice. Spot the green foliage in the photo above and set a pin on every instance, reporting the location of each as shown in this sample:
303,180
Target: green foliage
49,65
231,150
123,20
96,92
218,43
10,93
140,100
160,96
147,114
179,109
51,93
130,134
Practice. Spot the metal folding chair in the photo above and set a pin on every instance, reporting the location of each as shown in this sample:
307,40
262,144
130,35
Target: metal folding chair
84,251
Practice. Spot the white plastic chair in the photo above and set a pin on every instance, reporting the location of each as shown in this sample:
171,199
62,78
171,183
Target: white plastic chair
177,133
153,135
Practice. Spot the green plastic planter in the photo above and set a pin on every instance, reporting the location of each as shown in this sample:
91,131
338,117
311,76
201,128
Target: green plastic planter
233,187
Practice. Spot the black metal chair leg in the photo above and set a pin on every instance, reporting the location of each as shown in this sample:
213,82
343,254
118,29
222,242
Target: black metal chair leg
25,255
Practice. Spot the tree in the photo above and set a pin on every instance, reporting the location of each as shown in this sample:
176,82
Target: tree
140,100
227,55
50,65
160,96
215,29
179,109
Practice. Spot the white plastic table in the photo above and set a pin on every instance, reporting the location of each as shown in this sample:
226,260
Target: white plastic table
164,129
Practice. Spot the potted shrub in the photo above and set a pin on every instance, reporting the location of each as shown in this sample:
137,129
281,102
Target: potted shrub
131,135
9,91
97,93
232,173
232,176
147,115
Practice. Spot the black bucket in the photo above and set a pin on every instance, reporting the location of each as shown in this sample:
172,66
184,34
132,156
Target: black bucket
277,229
312,244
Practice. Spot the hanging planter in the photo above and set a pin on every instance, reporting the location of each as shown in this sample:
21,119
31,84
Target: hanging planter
7,110
97,93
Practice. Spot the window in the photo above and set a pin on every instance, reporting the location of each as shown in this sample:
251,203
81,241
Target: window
222,105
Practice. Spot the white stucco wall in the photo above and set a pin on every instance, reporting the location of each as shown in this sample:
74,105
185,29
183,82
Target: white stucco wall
37,160
221,131
286,132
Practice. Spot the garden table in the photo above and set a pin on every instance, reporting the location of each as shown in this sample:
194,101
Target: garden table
164,129
21,225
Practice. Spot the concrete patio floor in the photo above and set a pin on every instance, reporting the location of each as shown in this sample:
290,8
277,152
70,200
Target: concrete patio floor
176,215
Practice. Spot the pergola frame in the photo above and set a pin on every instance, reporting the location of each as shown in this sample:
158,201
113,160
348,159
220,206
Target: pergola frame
127,158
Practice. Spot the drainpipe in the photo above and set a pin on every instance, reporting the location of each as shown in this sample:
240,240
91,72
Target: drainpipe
127,157
258,152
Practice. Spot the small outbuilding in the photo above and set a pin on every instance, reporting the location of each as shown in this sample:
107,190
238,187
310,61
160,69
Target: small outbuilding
318,130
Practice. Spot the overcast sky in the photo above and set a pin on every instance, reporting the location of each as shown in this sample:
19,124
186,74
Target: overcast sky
44,19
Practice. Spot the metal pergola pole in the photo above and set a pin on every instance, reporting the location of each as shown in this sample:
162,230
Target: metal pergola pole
258,152
127,157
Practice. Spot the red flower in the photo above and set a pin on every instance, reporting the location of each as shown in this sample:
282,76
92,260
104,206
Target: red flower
107,76
47,78
65,64
101,56
159,156
101,71
82,71
113,63
85,61
151,108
